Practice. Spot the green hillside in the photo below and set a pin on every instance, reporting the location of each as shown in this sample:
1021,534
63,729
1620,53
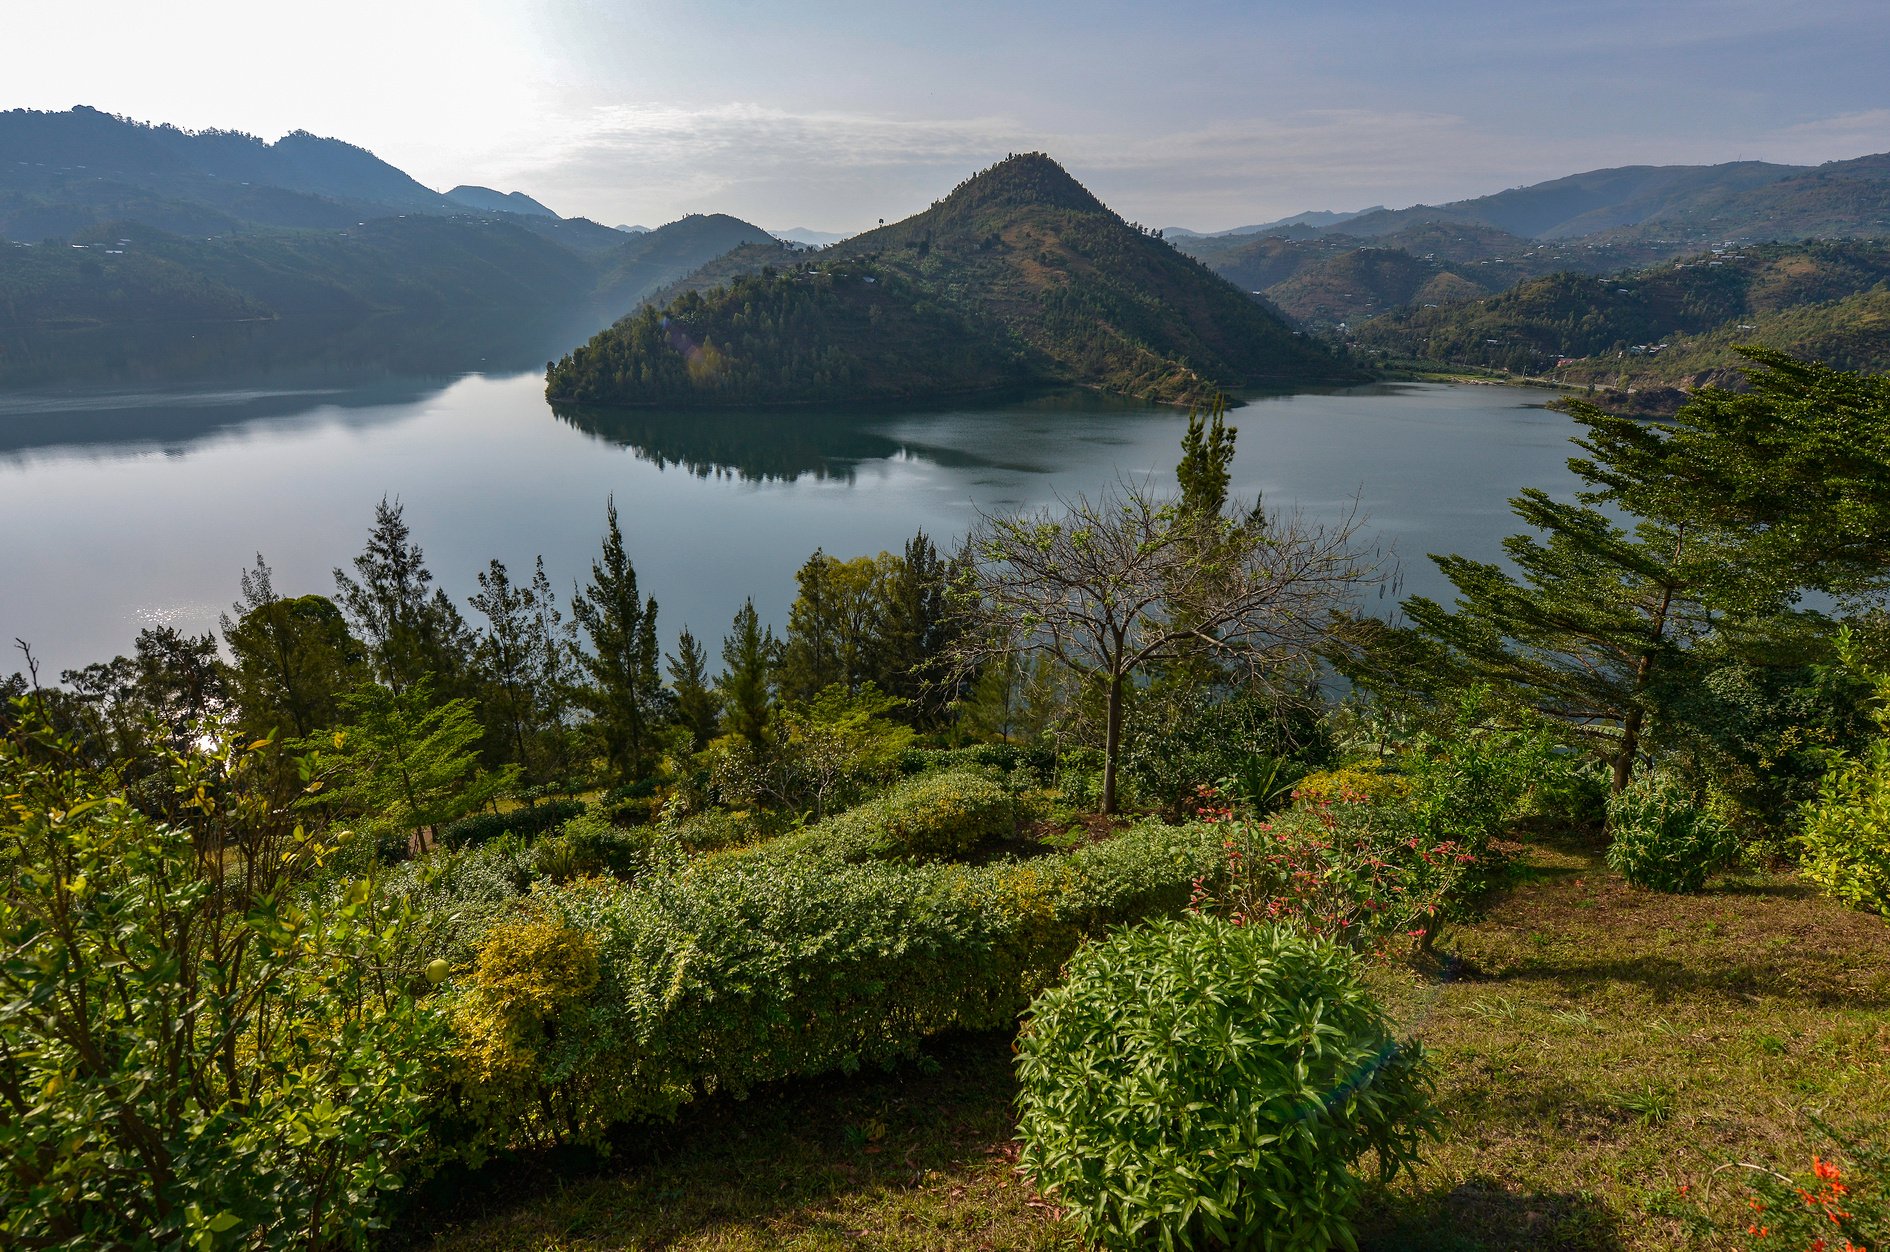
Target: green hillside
839,332
1100,301
1560,316
1022,274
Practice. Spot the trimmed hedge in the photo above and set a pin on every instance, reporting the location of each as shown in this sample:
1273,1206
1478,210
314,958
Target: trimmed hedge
480,828
942,815
1005,758
725,975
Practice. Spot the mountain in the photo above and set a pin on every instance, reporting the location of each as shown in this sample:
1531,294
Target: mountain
1587,203
812,238
86,144
841,332
1792,296
645,262
486,200
632,230
1315,219
1598,222
133,225
1020,258
1323,280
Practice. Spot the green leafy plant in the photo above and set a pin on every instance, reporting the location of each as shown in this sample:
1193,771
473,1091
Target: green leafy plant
198,1047
722,973
1663,838
1362,874
1200,1084
1845,843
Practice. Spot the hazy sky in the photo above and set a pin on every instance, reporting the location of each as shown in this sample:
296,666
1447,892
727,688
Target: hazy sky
830,115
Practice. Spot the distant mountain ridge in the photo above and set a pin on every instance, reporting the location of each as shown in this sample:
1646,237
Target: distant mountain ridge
1019,266
1598,222
490,201
155,223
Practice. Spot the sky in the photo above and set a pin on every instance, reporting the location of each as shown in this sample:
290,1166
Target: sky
829,115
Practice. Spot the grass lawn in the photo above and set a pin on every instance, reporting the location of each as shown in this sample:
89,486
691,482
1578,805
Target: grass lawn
1597,1048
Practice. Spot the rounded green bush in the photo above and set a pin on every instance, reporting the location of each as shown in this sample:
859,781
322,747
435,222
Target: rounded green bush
946,814
1200,1084
1661,838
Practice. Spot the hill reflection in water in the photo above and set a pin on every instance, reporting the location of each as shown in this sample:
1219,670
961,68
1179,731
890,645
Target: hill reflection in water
785,445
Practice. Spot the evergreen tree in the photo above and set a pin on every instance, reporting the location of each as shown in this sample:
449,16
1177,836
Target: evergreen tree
507,659
624,693
916,632
1734,510
746,687
834,625
1207,456
698,709
410,633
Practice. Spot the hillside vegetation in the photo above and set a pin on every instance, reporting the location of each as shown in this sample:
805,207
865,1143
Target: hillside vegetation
1788,296
837,331
1029,262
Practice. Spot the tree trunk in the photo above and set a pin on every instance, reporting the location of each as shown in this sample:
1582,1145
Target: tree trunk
1635,716
1112,744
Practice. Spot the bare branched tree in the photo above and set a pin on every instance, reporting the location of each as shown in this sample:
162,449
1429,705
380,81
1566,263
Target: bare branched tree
1111,586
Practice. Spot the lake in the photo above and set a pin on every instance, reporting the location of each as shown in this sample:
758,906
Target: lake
139,505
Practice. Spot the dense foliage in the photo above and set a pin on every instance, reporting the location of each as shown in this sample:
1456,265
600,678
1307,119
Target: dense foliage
602,1004
193,1050
1200,1084
1663,838
1786,296
832,331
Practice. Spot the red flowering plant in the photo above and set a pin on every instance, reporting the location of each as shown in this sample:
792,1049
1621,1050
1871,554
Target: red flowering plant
1341,866
1832,1208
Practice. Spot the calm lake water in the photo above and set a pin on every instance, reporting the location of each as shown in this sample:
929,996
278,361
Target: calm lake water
141,505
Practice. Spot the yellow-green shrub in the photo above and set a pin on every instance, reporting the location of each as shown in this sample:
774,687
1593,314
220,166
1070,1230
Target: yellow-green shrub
1845,845
1350,783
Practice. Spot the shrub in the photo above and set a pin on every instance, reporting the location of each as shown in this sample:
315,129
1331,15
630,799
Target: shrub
1661,838
1001,758
195,1047
720,974
480,828
1366,875
1189,732
1350,783
712,831
929,816
588,845
1841,1201
1197,1083
947,814
1845,844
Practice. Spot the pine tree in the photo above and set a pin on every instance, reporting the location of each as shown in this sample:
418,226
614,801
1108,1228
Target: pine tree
410,633
624,693
746,686
697,707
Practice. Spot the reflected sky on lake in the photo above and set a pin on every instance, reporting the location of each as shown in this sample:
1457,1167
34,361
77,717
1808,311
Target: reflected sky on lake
142,506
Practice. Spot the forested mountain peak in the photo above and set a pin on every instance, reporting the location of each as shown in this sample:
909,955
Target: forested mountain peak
1019,260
